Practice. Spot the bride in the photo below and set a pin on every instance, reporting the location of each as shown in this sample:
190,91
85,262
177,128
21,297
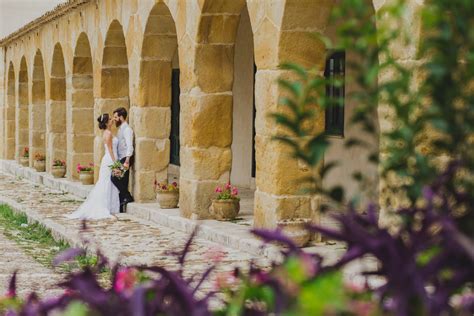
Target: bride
103,200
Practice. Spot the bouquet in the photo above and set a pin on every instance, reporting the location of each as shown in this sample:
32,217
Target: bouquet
227,192
118,170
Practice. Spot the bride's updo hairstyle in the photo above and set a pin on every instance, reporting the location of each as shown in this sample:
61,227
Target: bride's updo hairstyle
103,120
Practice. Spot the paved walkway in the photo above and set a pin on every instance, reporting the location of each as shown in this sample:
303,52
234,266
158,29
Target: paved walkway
32,276
126,238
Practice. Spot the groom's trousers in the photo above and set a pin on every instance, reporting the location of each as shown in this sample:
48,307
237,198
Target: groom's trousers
122,185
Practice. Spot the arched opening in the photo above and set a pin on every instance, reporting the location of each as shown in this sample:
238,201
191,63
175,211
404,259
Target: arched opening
155,117
56,110
114,86
37,109
10,115
22,116
243,121
80,138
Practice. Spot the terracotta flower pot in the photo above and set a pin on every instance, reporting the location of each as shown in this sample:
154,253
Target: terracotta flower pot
24,161
58,171
295,229
39,165
86,177
168,199
224,209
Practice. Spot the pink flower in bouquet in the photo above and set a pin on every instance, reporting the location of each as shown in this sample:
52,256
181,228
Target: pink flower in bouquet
218,190
235,191
125,280
228,186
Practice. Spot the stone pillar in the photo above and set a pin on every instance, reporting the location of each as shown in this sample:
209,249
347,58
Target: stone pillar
37,118
21,113
56,122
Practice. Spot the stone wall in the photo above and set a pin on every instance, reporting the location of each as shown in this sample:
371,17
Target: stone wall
89,57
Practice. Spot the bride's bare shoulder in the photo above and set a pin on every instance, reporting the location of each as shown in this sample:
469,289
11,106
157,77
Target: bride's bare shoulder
107,135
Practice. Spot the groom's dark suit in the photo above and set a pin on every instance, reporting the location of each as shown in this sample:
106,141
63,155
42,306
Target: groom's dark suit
125,149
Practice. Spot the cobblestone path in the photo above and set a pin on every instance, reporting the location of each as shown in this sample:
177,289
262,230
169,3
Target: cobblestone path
125,238
32,276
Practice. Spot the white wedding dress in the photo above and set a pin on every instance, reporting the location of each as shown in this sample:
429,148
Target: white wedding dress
103,200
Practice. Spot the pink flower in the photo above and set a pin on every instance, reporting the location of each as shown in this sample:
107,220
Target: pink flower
235,191
216,254
125,280
218,190
228,186
225,280
175,184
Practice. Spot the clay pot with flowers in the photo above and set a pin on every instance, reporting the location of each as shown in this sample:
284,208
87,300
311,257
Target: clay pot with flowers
86,173
58,169
167,195
25,157
40,162
226,205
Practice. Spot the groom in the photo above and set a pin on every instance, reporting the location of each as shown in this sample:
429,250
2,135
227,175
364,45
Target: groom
125,155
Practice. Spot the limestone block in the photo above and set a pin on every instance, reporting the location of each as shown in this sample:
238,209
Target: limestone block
82,82
23,118
38,92
81,143
304,14
278,172
155,83
108,106
37,117
188,79
266,39
144,184
270,208
114,82
151,154
303,48
82,64
218,29
160,22
206,120
151,122
159,46
214,67
195,197
82,99
114,56
56,116
206,164
82,121
37,139
58,89
221,6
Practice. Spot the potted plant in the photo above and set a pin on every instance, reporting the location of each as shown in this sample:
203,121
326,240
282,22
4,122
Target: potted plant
167,195
226,205
59,168
86,173
25,157
295,228
40,162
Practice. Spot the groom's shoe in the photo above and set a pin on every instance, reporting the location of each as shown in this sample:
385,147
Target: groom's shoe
121,210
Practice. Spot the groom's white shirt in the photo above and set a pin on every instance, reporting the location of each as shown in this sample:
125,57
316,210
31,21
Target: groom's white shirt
125,141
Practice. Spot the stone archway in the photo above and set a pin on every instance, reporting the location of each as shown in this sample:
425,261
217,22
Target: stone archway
56,110
22,117
151,115
114,85
10,115
37,109
80,137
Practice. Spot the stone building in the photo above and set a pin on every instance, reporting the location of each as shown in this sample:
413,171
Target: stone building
198,78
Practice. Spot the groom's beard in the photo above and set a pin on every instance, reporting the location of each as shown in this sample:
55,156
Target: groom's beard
118,123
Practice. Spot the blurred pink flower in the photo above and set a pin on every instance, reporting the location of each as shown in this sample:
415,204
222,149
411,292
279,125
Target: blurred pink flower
125,280
218,190
228,186
235,191
216,254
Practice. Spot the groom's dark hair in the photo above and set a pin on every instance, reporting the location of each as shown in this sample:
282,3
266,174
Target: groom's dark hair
121,112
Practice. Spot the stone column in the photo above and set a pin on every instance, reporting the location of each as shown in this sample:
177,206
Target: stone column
37,118
56,122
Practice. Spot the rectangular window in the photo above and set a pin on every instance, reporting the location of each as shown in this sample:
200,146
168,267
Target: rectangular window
334,73
175,108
